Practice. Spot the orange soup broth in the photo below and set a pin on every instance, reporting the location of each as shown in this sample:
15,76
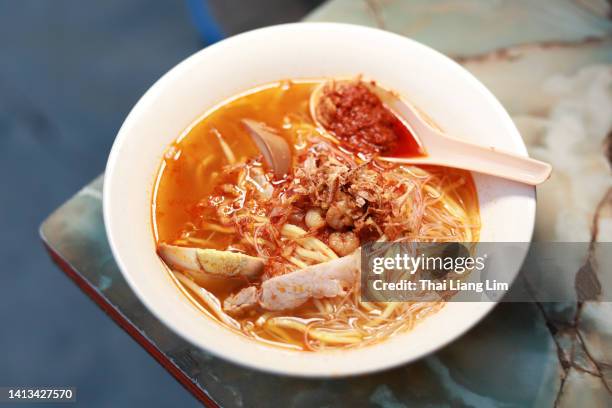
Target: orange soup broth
193,166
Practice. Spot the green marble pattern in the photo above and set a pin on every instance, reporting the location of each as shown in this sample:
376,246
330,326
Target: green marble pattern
550,64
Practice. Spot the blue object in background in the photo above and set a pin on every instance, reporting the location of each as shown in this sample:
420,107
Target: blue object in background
204,21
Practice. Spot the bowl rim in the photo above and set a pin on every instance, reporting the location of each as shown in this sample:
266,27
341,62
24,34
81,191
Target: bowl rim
150,304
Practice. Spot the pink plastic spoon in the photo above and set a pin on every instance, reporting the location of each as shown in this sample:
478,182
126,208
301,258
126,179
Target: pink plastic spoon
442,150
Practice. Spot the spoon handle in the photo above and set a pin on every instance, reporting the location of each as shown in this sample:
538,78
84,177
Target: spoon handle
457,153
448,151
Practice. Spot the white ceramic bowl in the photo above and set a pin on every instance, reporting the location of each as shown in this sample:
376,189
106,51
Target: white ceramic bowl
460,104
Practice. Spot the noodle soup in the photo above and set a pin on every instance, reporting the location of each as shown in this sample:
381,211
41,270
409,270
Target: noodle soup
259,212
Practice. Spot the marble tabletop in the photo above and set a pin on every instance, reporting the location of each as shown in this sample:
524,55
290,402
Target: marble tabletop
550,64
